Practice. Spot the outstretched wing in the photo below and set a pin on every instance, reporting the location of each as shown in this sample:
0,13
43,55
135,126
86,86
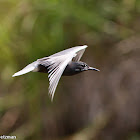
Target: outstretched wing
57,63
78,50
79,55
56,67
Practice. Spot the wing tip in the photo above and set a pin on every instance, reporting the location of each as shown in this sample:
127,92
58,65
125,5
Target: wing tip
84,46
51,99
14,75
51,95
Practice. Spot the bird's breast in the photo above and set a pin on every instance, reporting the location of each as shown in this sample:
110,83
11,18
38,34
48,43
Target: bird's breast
70,70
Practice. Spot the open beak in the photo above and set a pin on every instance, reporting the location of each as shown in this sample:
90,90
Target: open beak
91,68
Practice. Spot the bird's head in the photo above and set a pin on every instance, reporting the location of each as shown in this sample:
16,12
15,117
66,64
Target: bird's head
82,66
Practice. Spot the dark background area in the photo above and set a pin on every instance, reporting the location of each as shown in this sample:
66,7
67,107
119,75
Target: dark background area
92,105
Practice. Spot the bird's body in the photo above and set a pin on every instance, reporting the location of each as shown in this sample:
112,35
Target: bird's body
69,70
62,63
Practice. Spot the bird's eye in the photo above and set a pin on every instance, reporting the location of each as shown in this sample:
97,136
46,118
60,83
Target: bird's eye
84,65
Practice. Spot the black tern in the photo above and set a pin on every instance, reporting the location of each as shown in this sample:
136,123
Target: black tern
64,63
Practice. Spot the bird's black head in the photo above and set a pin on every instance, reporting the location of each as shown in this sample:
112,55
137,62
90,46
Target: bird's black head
77,67
82,66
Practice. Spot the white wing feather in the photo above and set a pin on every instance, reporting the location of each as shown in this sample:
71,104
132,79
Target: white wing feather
79,50
57,64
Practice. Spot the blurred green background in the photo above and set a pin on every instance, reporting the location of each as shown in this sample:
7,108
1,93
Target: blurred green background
101,105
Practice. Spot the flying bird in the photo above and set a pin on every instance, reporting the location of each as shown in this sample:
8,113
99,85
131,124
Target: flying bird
64,63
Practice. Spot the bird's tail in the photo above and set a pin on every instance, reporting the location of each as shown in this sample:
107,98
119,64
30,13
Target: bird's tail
28,68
